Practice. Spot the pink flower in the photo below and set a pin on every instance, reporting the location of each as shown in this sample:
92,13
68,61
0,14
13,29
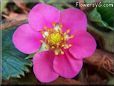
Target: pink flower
66,40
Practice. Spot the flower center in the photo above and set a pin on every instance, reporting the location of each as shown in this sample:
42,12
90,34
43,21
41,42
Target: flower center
55,39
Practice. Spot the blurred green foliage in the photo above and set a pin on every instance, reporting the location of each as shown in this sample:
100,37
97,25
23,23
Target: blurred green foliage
111,81
13,62
3,4
103,16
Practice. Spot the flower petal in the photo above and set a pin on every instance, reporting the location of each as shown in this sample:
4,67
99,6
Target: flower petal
84,45
43,15
66,66
73,19
26,40
43,67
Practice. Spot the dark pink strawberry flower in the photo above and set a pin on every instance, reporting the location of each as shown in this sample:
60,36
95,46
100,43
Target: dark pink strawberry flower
64,34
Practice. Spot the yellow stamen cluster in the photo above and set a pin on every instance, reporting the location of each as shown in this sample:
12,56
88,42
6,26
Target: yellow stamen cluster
55,39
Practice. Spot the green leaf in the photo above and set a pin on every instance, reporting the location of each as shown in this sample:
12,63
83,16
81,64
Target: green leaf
96,17
107,14
13,62
28,79
103,16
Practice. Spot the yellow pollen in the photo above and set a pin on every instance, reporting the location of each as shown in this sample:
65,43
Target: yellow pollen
55,38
